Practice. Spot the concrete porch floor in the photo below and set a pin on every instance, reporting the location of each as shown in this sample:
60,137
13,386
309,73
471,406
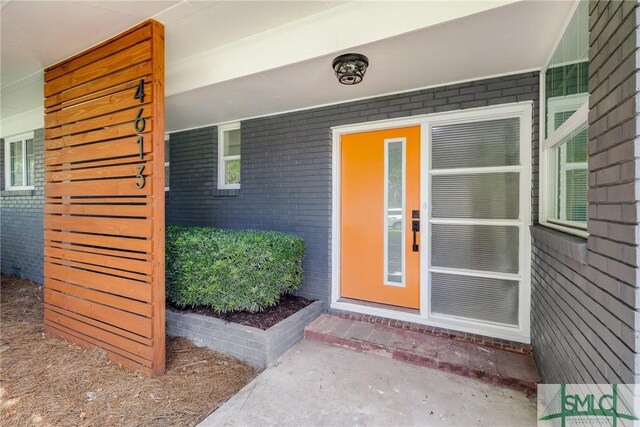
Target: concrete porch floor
319,385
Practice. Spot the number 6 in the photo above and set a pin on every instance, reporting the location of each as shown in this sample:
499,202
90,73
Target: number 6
140,123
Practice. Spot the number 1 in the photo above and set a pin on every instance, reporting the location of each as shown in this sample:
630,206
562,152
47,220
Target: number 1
141,143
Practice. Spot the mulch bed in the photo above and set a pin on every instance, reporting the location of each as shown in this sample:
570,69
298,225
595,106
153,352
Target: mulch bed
288,305
47,381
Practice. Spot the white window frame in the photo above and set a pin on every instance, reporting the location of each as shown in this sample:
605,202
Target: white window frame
548,183
7,160
222,185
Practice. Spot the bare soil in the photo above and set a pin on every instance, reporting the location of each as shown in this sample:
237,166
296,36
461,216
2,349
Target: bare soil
288,305
46,381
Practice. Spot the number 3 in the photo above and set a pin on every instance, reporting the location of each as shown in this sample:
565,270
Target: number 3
141,183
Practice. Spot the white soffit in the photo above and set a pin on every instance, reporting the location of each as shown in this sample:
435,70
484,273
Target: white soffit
336,29
504,40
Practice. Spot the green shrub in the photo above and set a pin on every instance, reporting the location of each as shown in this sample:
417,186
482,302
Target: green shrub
229,270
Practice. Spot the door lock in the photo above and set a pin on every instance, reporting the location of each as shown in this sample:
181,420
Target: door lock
415,228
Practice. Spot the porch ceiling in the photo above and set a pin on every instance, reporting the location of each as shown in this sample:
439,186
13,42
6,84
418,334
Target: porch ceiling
508,39
232,60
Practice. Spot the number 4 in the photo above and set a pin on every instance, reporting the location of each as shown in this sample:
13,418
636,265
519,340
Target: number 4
140,91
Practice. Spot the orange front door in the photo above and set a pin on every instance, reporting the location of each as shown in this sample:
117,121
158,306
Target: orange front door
380,189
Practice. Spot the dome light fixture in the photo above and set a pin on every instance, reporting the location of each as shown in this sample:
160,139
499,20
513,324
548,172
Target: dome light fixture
350,68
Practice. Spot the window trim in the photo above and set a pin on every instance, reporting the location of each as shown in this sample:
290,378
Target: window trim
23,137
222,185
578,102
547,183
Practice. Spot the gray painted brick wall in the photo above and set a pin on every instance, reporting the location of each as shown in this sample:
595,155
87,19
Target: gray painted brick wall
21,212
584,311
286,165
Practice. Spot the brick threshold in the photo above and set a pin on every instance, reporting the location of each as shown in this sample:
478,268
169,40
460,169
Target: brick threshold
488,364
482,340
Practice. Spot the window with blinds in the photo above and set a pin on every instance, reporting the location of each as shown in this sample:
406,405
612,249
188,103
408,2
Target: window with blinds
476,222
568,172
564,175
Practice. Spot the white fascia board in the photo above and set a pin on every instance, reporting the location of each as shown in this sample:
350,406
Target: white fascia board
325,33
23,122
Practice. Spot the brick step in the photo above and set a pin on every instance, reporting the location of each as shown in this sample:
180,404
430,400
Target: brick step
488,364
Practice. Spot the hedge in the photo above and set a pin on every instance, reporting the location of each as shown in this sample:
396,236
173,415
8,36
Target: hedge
231,270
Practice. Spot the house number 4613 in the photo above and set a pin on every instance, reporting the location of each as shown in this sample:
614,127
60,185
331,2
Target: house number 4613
139,125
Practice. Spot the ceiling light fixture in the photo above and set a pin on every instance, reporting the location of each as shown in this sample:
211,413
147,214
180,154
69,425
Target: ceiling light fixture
350,68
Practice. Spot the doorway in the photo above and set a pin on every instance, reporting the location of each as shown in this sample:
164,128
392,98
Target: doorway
431,220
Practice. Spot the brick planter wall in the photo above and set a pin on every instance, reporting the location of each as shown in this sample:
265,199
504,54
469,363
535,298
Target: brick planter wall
249,344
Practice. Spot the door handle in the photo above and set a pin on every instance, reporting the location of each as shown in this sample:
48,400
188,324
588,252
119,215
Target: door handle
415,227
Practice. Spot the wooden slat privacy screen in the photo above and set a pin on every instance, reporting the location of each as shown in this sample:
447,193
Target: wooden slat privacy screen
104,189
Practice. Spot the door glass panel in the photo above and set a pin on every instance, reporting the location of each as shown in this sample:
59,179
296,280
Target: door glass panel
493,300
475,247
477,144
482,196
395,216
476,219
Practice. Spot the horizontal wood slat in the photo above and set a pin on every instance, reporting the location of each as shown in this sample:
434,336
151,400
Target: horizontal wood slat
117,171
98,151
113,132
127,288
135,266
130,244
126,116
103,187
94,250
94,268
104,198
135,159
136,307
133,349
83,200
139,325
135,54
129,38
99,210
97,107
114,353
102,86
110,226
88,320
